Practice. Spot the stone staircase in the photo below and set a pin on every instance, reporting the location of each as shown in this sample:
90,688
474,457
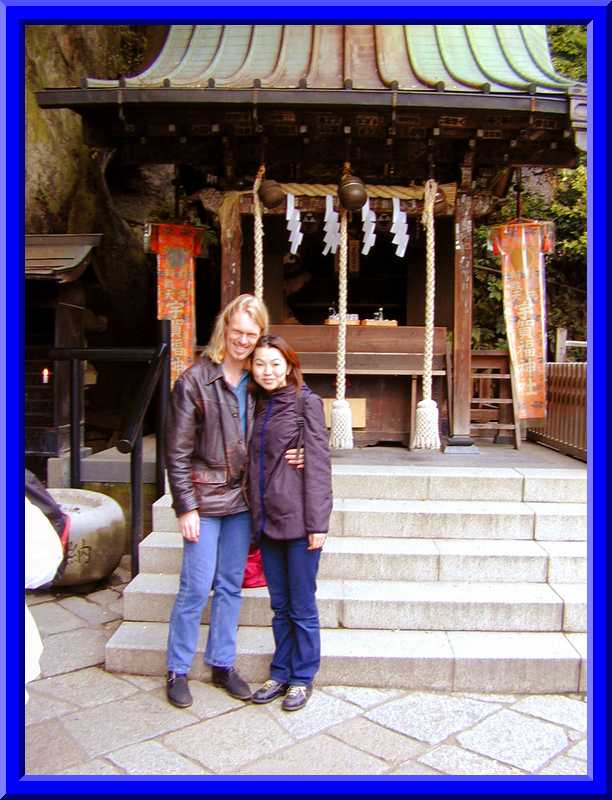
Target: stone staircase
444,578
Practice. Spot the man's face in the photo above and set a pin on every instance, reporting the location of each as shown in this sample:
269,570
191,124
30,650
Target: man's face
241,334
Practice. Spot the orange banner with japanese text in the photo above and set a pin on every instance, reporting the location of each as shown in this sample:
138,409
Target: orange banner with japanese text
522,246
176,247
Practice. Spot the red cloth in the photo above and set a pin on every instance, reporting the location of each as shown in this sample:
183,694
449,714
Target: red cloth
253,572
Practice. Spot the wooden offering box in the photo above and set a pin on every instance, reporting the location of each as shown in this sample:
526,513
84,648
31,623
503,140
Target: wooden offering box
383,365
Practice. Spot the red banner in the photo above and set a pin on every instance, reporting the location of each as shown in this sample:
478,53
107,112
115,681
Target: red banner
522,245
176,246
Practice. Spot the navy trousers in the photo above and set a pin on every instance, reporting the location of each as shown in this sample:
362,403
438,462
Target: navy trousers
291,572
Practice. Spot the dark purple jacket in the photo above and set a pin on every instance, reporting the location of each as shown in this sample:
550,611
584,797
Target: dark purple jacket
288,503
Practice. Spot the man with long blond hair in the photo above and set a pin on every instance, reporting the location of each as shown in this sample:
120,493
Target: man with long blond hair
207,434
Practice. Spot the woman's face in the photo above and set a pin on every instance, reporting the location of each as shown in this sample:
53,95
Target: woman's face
270,368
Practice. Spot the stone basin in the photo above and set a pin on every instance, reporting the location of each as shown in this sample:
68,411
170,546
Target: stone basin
97,535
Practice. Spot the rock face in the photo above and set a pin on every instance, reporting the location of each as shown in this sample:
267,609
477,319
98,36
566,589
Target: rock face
71,188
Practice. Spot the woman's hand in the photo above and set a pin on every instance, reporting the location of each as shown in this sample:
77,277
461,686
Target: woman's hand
295,457
190,525
316,540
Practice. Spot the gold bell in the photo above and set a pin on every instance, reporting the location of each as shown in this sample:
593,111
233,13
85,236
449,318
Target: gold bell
271,194
352,192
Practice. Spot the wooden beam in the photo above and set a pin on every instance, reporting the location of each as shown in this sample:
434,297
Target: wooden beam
462,327
231,243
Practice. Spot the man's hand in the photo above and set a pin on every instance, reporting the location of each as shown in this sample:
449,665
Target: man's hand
316,540
295,457
190,525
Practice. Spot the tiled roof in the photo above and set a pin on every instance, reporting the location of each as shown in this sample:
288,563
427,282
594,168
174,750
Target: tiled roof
454,58
59,257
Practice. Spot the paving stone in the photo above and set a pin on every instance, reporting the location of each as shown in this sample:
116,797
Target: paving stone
362,696
414,768
555,708
111,627
456,761
51,746
93,613
490,697
515,739
98,766
579,750
226,743
40,707
113,725
320,755
117,607
86,687
51,618
376,740
152,758
573,736
34,598
208,700
143,682
321,711
65,652
104,597
565,766
430,717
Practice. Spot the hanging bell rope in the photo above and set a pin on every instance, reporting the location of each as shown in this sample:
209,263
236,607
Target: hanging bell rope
258,232
426,435
341,434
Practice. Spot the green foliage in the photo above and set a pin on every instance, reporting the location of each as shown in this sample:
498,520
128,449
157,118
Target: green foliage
566,267
125,58
568,50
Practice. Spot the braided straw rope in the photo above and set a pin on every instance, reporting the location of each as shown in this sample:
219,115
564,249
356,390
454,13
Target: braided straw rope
341,434
426,434
258,230
428,221
374,191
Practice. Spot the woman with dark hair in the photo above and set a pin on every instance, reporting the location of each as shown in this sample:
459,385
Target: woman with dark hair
290,510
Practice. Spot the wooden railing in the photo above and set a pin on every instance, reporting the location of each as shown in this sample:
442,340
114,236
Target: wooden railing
565,428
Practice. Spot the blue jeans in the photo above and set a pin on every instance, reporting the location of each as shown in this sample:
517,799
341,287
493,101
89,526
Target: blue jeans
217,560
291,572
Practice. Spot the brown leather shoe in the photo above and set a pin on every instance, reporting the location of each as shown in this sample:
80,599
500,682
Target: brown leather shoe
177,690
228,678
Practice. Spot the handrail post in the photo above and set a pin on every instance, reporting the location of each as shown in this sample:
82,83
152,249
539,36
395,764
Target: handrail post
76,383
136,501
560,344
163,396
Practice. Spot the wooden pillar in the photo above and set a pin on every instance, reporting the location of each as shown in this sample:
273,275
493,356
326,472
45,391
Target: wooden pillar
462,327
231,245
176,247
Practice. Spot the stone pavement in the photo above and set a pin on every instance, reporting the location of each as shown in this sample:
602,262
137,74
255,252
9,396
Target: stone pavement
81,720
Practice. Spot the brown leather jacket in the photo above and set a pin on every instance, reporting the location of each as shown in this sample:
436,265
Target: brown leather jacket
206,452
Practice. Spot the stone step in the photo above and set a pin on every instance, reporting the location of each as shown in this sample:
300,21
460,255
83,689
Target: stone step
459,483
459,661
380,558
390,605
438,519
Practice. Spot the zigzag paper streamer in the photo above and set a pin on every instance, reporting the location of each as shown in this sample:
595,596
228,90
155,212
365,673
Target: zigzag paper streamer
368,221
399,228
331,227
293,225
